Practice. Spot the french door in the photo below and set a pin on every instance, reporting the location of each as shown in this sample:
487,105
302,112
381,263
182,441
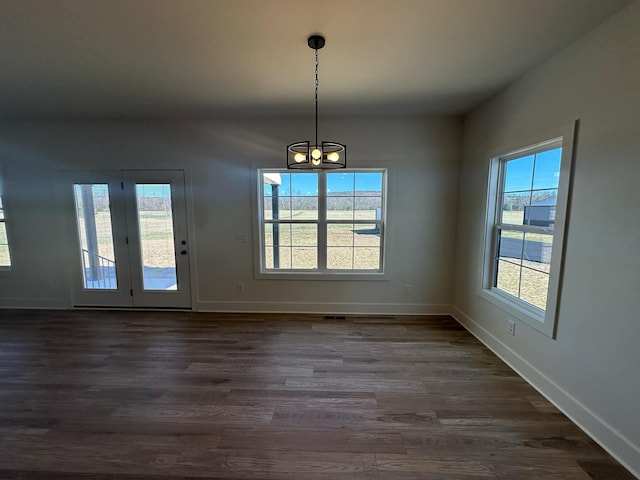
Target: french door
132,246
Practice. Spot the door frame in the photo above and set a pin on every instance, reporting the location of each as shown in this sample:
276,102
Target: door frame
80,297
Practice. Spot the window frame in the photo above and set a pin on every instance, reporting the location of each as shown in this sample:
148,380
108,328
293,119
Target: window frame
3,221
545,321
321,273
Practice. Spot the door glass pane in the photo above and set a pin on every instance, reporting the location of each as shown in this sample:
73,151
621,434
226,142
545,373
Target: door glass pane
5,259
155,224
93,217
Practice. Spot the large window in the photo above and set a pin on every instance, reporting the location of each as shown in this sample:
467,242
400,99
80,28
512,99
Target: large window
5,256
319,221
528,194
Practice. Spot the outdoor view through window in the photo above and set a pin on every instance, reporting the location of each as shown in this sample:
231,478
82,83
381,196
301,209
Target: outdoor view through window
322,221
5,258
525,225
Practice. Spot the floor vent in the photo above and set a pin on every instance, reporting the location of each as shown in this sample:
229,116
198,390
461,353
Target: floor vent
335,317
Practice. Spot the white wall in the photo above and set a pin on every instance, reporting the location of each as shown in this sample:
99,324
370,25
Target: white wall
221,157
592,369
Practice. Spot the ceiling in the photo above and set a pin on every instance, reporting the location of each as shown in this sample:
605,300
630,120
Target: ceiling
91,59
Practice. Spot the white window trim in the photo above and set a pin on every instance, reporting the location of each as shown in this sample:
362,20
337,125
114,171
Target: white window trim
543,321
262,273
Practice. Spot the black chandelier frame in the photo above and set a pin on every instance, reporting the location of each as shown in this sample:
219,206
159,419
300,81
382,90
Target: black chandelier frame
321,155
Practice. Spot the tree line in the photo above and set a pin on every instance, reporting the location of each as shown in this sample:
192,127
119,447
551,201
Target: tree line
364,201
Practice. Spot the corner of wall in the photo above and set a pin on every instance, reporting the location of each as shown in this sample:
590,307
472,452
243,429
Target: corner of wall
616,444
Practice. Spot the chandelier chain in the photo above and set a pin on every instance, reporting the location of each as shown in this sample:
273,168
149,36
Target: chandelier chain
316,88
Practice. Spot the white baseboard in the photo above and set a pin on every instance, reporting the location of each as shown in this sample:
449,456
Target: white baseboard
35,303
325,308
616,444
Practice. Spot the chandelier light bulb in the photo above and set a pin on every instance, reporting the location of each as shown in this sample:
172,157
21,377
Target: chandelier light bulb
315,161
316,154
299,157
333,157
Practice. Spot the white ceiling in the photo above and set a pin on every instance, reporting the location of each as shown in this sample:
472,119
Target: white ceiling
85,59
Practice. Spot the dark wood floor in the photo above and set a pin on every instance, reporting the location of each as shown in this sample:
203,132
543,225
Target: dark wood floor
147,395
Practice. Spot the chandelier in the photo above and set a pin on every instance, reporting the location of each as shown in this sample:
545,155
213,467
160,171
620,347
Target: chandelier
323,155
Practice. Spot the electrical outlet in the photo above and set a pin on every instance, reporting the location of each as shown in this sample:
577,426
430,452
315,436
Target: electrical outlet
240,287
408,289
511,327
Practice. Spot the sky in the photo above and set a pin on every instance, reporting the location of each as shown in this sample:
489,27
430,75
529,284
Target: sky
304,184
544,167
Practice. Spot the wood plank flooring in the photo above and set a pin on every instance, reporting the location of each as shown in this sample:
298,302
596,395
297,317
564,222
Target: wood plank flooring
175,395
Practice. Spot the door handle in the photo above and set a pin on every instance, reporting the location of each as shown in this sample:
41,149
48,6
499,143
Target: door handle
183,252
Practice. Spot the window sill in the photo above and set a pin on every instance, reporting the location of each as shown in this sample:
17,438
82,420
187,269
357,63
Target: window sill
533,317
321,276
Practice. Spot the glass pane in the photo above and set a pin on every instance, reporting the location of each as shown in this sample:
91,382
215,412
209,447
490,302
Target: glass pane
508,277
514,206
369,183
304,235
518,174
155,225
269,206
304,257
93,217
340,235
304,208
510,246
542,211
368,207
366,258
304,184
268,257
366,235
280,207
285,184
340,184
5,259
534,287
277,257
537,251
340,258
277,234
339,208
547,169
268,234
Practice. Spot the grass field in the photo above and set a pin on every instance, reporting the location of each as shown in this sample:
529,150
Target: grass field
156,234
4,243
353,245
524,282
4,256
